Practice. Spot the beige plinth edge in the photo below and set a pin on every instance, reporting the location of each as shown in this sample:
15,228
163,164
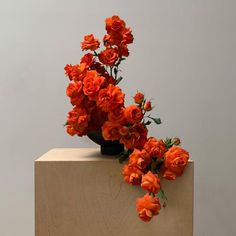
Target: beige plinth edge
80,193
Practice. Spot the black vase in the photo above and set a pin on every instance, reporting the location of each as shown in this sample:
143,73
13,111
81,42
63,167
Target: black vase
106,147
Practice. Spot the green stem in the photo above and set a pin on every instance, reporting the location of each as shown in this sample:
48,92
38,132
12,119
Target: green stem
111,70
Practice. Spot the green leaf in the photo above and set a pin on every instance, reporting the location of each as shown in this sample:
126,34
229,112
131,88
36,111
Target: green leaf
65,124
123,156
156,120
148,122
168,143
119,79
161,195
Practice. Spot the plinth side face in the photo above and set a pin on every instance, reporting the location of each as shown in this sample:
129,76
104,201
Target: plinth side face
89,198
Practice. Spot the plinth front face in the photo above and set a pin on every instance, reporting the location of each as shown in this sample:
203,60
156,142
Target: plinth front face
78,192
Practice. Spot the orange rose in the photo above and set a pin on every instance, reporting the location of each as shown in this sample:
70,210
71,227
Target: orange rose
136,138
138,98
111,131
114,25
138,158
87,59
148,106
155,147
114,39
75,92
168,174
117,115
70,130
147,207
151,182
77,100
133,114
123,50
78,119
110,98
132,175
108,56
73,89
176,159
92,83
90,43
68,70
127,36
76,72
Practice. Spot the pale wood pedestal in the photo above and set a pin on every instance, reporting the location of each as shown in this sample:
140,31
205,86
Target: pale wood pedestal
78,192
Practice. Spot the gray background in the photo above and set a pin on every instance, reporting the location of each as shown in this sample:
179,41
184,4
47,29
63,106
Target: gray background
183,57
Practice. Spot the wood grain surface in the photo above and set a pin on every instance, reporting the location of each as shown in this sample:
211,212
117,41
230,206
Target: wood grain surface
78,192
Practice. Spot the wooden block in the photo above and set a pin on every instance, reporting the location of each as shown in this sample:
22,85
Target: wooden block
79,192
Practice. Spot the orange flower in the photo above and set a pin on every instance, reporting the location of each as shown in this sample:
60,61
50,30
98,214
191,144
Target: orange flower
147,207
68,70
110,98
138,158
168,174
70,130
148,106
176,159
77,121
90,43
113,39
151,182
123,50
138,98
87,59
77,100
132,175
133,114
127,36
75,92
117,115
155,147
111,131
73,89
136,138
92,83
114,25
108,56
76,72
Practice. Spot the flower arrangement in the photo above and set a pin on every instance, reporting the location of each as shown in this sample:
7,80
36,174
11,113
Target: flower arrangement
99,105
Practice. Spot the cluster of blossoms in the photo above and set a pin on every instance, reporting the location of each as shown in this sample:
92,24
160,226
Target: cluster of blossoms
93,90
99,105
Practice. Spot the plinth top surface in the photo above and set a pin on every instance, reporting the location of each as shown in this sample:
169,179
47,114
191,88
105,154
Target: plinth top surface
75,154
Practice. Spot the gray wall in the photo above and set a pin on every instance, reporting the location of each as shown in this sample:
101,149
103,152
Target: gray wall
183,57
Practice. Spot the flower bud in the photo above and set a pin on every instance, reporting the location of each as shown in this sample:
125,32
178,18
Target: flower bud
176,141
147,106
138,98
